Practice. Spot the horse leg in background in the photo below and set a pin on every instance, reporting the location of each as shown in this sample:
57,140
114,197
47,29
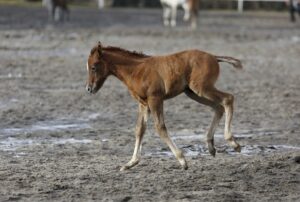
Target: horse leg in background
194,17
66,12
194,7
193,20
48,4
292,10
139,133
166,15
219,110
187,13
156,108
51,11
173,15
101,4
58,14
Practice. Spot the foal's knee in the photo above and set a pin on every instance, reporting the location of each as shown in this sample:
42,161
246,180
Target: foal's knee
228,100
160,127
219,110
140,129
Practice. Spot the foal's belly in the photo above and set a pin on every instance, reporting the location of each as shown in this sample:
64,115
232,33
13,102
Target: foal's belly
175,87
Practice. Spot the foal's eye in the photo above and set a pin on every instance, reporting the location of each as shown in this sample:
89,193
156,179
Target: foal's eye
93,68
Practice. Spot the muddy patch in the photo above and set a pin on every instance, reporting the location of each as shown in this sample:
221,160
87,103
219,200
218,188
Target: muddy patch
247,150
13,144
53,125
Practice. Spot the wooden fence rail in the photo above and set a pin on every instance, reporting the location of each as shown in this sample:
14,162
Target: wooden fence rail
241,3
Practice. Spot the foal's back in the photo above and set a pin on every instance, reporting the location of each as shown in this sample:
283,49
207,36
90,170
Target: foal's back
174,73
186,64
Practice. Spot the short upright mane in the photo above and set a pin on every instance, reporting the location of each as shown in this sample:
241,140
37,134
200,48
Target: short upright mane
127,52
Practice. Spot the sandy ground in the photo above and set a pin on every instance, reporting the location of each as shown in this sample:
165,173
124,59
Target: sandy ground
57,143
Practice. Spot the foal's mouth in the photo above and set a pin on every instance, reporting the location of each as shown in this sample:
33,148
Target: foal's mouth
90,89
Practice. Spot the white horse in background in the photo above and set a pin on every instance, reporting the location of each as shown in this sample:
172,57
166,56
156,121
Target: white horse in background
190,8
294,7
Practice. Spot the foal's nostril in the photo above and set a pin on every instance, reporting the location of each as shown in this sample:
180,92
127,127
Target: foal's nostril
89,89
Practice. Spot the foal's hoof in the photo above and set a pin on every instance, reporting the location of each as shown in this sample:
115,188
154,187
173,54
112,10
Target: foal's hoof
238,148
123,168
185,167
297,159
212,151
183,162
129,165
211,147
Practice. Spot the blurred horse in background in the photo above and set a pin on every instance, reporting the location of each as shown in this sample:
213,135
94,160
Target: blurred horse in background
190,8
294,7
57,9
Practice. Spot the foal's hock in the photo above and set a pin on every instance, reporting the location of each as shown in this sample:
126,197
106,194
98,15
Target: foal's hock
153,79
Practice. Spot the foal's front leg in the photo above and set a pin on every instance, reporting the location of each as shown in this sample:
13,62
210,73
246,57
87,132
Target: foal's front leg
139,133
156,108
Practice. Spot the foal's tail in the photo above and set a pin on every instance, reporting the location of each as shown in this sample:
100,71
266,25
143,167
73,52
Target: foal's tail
235,62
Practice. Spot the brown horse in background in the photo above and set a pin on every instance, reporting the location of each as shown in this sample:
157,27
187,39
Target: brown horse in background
153,79
57,9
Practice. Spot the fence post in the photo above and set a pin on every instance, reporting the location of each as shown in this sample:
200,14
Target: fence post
240,6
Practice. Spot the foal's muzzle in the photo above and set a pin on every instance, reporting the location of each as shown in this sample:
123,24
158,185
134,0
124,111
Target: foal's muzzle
89,89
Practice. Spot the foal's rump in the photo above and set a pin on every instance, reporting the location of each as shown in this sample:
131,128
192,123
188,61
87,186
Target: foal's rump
200,59
202,69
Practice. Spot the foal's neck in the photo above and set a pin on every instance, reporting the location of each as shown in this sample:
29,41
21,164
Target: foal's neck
122,64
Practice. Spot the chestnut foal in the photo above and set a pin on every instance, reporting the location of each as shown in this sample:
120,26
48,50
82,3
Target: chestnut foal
153,79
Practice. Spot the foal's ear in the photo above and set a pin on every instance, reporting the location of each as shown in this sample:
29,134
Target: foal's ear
99,47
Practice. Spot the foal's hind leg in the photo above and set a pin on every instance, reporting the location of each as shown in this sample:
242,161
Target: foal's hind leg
139,133
219,110
226,100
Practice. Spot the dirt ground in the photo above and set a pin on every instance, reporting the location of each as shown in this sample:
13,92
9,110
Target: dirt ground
57,143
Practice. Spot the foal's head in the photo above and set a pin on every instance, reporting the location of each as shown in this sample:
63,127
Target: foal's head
97,69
